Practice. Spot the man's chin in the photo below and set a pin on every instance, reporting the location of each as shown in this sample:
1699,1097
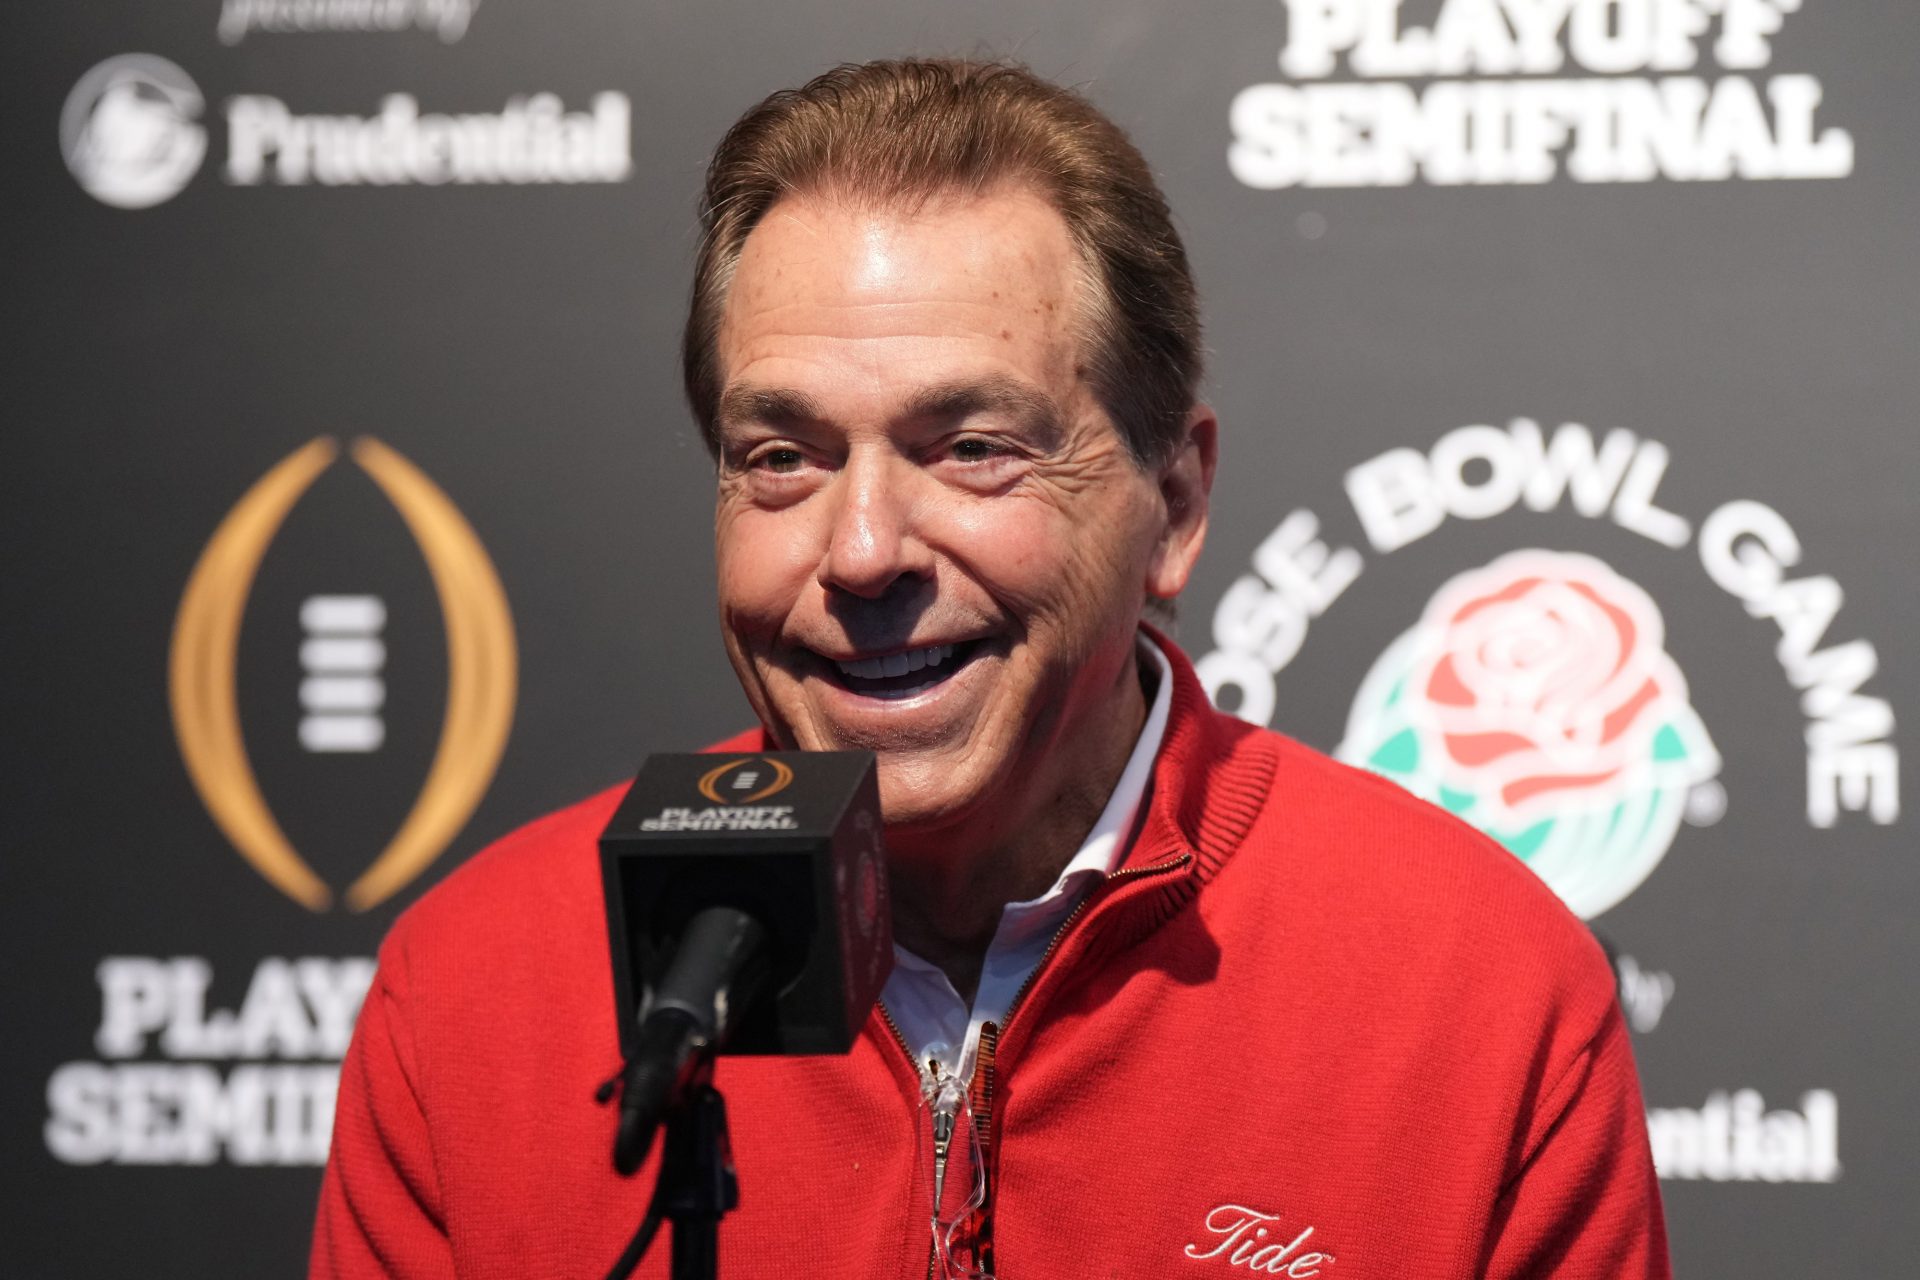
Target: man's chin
921,765
923,792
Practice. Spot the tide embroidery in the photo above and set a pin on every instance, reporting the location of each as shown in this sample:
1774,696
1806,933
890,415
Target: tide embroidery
1237,1236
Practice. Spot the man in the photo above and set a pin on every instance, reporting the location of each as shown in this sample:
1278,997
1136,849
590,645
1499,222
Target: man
1193,998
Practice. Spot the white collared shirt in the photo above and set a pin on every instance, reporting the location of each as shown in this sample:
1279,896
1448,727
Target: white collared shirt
932,1017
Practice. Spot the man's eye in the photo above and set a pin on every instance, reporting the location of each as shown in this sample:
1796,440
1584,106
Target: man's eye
779,460
975,449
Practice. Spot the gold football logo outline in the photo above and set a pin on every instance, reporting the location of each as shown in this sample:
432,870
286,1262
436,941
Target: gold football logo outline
710,780
482,673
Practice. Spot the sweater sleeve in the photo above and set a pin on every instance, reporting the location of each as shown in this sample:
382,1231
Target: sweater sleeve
1585,1204
380,1204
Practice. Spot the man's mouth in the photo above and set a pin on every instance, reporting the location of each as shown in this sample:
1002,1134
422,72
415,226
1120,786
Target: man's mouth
902,674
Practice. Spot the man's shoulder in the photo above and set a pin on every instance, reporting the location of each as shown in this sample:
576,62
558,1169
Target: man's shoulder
1373,856
519,888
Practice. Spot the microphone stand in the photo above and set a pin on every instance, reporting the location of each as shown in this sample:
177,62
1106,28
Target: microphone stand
696,1185
697,1181
719,968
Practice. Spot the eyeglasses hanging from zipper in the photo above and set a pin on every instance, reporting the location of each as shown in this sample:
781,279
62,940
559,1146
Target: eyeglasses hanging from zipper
951,1109
950,1099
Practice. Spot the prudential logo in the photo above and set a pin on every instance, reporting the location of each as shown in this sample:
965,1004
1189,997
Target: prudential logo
130,131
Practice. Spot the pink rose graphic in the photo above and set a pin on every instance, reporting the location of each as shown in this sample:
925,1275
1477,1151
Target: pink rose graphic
1544,680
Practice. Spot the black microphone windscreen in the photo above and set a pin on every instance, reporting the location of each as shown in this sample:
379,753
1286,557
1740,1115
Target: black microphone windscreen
791,838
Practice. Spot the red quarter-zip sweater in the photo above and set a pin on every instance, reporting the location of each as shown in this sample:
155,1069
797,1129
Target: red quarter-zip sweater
1312,1027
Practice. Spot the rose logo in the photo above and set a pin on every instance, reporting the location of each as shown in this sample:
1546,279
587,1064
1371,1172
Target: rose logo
1543,680
1535,699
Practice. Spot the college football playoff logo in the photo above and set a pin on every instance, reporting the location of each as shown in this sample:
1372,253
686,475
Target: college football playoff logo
746,781
1535,699
482,666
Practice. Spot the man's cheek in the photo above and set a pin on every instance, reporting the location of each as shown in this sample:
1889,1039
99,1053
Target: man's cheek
1021,549
759,578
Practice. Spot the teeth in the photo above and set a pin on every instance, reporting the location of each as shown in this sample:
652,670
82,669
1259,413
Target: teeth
896,664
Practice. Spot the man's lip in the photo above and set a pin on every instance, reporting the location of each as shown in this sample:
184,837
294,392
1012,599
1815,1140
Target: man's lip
886,672
914,693
954,647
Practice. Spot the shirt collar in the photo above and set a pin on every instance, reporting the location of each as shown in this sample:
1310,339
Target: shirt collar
930,1014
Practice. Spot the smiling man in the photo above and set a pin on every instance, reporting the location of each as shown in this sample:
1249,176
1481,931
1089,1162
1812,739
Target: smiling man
1172,994
933,543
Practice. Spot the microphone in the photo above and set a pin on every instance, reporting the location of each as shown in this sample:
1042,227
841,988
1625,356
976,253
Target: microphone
747,913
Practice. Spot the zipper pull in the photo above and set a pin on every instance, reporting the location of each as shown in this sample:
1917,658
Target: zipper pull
944,1096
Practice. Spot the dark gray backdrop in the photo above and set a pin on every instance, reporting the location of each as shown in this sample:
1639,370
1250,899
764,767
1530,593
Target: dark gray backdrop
515,342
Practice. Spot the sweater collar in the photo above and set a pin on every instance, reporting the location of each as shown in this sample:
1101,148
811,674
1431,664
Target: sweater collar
1213,775
1212,778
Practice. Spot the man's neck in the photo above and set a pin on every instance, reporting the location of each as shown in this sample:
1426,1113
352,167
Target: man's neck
950,888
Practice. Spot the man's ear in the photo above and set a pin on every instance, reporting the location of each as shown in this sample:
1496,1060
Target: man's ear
1186,481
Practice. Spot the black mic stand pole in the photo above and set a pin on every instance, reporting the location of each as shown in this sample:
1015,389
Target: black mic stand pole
668,1080
696,1185
697,1182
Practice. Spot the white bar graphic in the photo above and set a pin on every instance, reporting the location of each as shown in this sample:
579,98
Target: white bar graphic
342,733
343,656
343,693
348,655
352,615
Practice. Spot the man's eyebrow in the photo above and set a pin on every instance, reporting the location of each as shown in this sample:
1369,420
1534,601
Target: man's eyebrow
948,401
773,406
953,401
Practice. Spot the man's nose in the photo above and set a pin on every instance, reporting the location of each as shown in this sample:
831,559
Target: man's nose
874,543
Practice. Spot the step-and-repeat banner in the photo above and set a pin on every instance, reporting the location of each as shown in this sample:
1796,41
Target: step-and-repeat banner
1567,356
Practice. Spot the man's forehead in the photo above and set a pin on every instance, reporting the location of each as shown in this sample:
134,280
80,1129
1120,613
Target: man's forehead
830,242
935,310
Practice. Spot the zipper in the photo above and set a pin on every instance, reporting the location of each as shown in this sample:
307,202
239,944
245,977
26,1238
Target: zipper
900,1038
980,1102
981,1087
1073,917
982,1084
943,1099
